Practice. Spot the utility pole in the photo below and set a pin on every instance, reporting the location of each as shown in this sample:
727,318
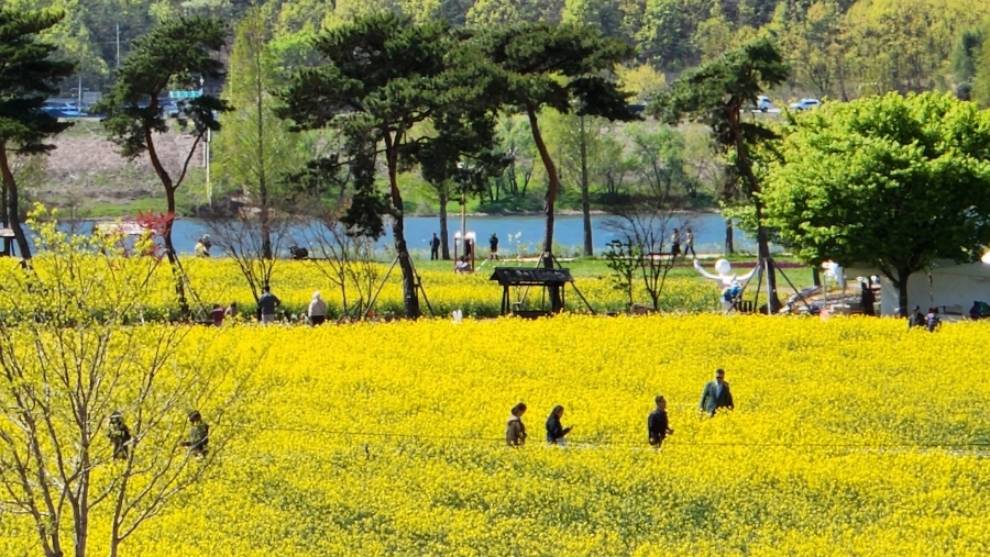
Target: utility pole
118,45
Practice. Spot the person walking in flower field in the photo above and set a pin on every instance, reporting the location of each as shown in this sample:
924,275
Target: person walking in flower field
119,435
515,430
716,394
199,435
317,311
556,431
657,424
267,304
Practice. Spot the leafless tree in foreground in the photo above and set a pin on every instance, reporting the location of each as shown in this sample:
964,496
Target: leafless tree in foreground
71,354
347,262
254,243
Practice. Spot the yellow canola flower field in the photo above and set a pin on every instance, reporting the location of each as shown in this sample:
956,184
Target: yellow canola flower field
850,436
219,281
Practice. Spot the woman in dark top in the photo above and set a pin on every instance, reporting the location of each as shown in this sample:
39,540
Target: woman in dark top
555,431
657,424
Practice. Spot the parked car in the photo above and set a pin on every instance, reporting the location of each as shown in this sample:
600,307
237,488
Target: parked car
763,103
806,104
61,110
171,109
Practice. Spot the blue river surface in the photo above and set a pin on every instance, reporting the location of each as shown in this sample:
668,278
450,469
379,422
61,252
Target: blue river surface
516,233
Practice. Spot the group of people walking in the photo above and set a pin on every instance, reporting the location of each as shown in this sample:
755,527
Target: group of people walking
268,304
468,254
714,396
120,435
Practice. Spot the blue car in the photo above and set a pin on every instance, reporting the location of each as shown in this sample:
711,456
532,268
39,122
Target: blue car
61,110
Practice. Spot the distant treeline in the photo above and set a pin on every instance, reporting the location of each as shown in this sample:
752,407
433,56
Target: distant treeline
840,49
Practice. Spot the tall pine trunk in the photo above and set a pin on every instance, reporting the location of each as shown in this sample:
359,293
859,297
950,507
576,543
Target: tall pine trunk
730,246
745,168
13,211
170,252
410,295
444,246
553,186
901,284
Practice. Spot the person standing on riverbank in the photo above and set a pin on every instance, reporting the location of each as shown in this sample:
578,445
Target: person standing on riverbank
675,243
689,242
434,248
493,247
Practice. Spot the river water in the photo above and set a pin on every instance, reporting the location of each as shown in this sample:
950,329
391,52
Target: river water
516,233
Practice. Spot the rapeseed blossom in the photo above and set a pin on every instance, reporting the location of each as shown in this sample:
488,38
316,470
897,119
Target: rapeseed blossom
849,436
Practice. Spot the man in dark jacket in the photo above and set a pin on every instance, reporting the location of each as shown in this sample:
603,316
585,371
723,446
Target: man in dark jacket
716,394
916,319
434,247
267,304
657,424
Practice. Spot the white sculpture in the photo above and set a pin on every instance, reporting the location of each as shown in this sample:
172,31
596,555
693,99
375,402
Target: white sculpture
836,273
731,284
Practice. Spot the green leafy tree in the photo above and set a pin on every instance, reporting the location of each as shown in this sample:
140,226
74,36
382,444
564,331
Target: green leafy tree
28,74
964,60
604,15
490,13
665,36
257,150
818,49
578,141
566,68
180,53
716,94
894,182
460,159
378,77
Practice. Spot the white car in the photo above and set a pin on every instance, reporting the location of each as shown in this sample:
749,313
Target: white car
806,104
763,103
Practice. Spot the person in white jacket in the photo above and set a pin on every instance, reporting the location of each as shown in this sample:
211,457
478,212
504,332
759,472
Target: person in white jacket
317,311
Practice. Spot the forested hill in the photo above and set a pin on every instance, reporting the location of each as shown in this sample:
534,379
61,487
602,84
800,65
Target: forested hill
838,48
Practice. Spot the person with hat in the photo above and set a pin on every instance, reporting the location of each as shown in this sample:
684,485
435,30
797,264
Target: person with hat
203,245
199,435
119,435
716,394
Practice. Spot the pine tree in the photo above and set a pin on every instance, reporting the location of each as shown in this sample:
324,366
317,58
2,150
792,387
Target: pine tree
178,53
28,74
